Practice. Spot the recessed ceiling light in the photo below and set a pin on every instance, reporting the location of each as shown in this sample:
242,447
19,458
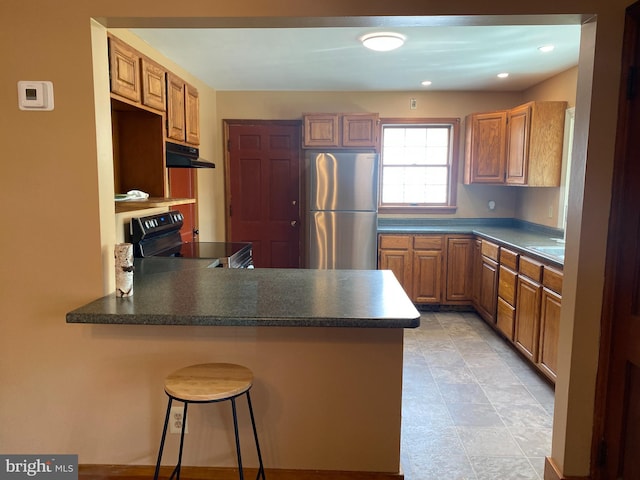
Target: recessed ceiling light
383,41
503,75
426,83
546,48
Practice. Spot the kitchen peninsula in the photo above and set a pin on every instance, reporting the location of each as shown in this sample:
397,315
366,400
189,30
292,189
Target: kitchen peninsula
326,348
256,298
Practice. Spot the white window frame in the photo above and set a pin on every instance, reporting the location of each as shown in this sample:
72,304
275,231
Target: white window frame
454,139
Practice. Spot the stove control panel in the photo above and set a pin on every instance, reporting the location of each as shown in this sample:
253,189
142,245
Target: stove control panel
152,225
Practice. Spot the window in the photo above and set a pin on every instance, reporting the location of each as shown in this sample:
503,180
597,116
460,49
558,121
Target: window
419,160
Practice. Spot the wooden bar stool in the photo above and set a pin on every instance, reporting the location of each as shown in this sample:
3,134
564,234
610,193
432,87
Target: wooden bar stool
209,383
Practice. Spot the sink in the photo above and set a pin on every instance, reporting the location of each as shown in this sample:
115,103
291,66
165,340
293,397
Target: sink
555,250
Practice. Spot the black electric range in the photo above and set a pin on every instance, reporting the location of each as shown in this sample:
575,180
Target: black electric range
159,236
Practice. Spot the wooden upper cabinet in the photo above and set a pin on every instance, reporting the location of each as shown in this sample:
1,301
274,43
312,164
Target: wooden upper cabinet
175,108
518,127
520,146
321,130
485,147
124,70
192,114
534,144
360,130
153,85
333,130
183,111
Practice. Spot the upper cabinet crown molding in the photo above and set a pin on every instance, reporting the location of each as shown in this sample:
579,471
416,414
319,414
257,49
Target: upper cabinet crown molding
520,146
334,130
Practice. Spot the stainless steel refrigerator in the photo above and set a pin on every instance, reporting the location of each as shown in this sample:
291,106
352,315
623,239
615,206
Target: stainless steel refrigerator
342,205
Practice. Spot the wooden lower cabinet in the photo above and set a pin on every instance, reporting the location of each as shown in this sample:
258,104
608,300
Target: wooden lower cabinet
488,279
459,268
529,296
427,276
527,327
505,318
507,292
550,309
420,265
394,254
476,273
519,296
549,333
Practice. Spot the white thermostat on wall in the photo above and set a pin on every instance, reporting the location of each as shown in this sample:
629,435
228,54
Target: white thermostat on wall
35,95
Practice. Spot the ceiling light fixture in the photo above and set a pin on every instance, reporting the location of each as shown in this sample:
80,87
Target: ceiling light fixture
546,48
426,83
383,41
503,75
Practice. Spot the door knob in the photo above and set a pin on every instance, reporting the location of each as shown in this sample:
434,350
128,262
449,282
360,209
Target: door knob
294,202
293,223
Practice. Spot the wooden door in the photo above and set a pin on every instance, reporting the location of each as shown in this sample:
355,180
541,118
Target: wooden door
459,287
360,130
264,190
399,262
518,125
527,328
124,70
182,184
485,147
321,130
549,333
506,311
427,274
192,115
175,108
618,398
154,85
477,272
488,289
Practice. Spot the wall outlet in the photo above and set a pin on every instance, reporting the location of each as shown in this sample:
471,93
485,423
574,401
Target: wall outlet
176,417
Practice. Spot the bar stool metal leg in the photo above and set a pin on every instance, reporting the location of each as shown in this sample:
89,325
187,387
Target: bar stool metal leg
164,435
184,423
255,436
235,429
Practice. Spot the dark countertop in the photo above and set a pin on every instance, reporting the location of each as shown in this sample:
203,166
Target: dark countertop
521,236
190,294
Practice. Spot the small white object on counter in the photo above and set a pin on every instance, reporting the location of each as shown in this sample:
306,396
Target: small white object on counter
123,254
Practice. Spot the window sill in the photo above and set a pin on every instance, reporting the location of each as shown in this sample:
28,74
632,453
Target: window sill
444,210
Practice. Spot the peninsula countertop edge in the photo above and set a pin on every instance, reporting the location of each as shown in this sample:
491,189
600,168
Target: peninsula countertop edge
257,298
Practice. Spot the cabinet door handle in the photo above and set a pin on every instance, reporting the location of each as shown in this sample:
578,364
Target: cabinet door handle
294,223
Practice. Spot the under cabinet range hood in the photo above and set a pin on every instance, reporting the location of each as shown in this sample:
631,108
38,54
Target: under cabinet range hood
182,156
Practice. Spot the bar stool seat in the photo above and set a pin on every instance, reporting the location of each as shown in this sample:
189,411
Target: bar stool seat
209,383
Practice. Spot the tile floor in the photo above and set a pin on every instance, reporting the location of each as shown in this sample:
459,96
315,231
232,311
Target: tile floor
473,409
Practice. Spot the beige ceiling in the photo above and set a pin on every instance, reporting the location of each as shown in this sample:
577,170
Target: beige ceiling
332,58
